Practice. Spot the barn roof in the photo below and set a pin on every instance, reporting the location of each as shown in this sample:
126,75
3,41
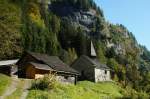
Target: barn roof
54,62
8,62
40,66
95,62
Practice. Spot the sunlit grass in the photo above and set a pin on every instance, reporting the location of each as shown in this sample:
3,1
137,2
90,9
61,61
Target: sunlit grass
83,90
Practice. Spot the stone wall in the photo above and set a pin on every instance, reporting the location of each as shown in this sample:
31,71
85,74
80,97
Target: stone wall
102,75
66,79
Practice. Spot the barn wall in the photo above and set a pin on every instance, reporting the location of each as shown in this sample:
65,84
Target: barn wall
5,70
30,72
33,73
66,79
22,65
40,71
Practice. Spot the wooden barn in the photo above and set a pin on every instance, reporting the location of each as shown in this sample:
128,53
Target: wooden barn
90,67
7,67
35,65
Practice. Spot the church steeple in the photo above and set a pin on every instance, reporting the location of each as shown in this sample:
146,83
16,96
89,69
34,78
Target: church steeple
92,50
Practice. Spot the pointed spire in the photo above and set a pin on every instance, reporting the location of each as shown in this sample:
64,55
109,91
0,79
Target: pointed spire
93,53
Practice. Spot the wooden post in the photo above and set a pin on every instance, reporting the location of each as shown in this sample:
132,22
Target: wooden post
75,79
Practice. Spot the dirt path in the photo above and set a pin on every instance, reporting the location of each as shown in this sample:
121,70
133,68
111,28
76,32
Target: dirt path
26,87
26,84
11,88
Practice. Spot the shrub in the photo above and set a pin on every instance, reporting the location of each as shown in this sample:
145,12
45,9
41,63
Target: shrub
143,95
47,82
133,94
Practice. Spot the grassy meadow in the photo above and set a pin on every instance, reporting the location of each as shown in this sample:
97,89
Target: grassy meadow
83,90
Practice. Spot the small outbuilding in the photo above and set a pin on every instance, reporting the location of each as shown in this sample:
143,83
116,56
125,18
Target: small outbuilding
90,68
8,67
36,65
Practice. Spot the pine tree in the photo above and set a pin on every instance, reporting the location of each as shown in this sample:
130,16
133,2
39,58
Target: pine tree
81,44
55,24
100,53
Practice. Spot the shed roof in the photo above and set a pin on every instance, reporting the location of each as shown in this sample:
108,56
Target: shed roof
53,62
40,66
8,62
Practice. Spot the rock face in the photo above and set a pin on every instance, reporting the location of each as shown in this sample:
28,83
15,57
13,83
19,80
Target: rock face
87,20
78,17
119,49
109,44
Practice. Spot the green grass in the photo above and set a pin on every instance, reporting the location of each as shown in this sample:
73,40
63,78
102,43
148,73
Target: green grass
83,90
4,83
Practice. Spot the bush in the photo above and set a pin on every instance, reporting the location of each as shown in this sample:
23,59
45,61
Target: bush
47,82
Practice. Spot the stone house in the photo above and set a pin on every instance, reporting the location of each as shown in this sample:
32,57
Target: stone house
90,68
36,65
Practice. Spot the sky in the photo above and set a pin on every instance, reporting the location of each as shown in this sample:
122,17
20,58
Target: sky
134,14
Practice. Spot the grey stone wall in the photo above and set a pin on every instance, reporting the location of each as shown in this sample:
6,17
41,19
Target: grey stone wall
102,75
65,79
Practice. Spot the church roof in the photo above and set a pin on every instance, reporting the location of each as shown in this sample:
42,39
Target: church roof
92,50
92,62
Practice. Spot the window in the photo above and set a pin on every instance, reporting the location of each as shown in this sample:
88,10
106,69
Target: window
105,71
